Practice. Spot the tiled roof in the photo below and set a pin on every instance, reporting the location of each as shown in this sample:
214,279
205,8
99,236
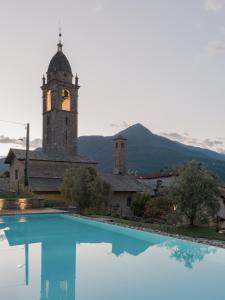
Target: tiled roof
20,154
156,175
118,183
42,184
124,183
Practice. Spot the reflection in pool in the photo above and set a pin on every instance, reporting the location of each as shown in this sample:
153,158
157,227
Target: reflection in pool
59,257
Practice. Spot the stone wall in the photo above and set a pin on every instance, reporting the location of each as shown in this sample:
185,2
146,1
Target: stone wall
47,169
4,185
120,202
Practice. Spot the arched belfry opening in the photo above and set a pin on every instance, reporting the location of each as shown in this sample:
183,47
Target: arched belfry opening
49,100
66,101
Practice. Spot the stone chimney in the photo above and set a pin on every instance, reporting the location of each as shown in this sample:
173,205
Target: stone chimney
119,165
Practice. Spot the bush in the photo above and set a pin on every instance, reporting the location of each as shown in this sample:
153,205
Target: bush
158,208
54,203
195,193
84,188
138,204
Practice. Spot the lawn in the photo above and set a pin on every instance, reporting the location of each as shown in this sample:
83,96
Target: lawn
205,232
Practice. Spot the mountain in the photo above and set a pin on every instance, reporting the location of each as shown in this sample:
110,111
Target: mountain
148,152
3,167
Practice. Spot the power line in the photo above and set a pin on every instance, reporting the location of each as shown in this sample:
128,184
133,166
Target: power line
12,122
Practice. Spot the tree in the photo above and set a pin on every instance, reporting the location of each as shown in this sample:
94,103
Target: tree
83,187
138,204
158,208
194,192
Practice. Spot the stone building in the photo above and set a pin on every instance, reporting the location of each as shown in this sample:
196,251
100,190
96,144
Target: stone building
157,181
60,142
123,185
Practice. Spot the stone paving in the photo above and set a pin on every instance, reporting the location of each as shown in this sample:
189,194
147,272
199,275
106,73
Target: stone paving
31,211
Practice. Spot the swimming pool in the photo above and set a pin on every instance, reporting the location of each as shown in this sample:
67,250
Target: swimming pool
59,257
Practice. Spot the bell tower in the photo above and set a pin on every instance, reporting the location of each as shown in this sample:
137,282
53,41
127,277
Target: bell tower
60,96
119,166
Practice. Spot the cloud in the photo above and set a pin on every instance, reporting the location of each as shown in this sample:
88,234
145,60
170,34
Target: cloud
214,5
20,141
121,125
211,143
217,46
206,143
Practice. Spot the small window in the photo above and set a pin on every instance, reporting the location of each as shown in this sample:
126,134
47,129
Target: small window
129,200
122,145
66,120
116,145
49,100
16,174
48,120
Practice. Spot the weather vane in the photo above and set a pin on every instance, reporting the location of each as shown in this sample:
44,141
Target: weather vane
60,33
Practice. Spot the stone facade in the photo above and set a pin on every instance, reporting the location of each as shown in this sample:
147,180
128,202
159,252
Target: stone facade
119,166
60,98
47,166
16,174
119,203
45,174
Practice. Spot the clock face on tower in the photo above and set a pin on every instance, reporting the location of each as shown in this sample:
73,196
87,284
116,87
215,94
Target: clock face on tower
65,94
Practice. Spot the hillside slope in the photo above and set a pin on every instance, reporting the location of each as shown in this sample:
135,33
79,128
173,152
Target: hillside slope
148,152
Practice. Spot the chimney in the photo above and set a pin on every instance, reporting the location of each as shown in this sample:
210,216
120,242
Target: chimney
119,166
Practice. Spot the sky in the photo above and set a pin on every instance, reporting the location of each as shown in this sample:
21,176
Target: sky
160,63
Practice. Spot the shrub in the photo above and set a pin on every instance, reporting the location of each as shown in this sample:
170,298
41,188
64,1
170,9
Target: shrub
84,188
158,208
138,204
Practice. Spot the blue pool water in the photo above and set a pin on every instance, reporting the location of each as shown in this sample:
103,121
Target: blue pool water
59,257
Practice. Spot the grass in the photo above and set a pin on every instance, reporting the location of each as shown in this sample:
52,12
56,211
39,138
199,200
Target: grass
205,232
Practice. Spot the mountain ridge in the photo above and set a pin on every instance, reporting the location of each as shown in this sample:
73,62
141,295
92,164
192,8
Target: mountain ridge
146,152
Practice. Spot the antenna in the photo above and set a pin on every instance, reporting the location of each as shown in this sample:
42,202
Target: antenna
60,33
60,38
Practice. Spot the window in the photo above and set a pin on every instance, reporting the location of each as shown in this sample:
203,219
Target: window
66,120
49,100
65,100
129,200
16,174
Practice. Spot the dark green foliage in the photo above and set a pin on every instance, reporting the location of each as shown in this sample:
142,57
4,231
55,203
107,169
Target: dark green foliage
138,204
158,208
54,203
195,193
85,189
